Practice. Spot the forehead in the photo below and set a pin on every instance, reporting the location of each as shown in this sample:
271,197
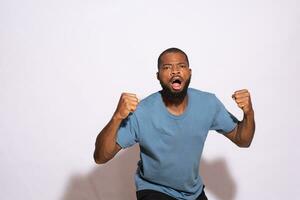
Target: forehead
173,58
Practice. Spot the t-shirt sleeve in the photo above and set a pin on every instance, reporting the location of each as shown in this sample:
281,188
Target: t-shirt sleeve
128,132
224,121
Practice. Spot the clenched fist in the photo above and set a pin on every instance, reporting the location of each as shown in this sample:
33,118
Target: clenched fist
243,100
127,104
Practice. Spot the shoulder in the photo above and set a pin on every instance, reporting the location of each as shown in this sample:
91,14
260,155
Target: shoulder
205,98
148,102
195,93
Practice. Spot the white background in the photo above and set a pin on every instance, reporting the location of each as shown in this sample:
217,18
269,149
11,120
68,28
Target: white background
63,65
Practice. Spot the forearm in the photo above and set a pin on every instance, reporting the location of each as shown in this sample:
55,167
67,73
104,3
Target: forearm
106,146
245,130
106,143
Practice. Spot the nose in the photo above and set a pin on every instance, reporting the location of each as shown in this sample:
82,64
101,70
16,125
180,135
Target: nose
175,70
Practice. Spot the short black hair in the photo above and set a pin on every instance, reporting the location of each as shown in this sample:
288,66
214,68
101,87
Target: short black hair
171,50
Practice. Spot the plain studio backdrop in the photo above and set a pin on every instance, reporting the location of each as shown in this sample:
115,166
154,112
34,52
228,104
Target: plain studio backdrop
64,64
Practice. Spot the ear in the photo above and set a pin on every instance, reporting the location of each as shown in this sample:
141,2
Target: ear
157,75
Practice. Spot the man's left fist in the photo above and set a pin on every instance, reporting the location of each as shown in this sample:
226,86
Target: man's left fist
243,100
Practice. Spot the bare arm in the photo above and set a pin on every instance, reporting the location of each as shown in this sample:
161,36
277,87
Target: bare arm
243,134
106,146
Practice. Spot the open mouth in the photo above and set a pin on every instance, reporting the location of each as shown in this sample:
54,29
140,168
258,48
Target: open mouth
176,83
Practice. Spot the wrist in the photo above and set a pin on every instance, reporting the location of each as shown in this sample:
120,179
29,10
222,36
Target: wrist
117,117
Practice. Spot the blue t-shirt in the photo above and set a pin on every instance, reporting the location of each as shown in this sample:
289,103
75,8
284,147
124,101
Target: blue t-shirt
171,146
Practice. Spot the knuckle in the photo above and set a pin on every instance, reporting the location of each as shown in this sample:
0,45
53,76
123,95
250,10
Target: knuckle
123,96
125,100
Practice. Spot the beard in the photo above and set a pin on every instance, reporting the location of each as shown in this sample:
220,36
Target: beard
172,96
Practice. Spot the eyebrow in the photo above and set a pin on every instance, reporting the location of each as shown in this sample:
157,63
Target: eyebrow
176,64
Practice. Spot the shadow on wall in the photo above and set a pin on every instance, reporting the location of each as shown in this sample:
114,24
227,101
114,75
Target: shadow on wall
217,179
114,180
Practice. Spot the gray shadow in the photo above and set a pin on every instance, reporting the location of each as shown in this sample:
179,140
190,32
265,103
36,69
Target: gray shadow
115,179
217,179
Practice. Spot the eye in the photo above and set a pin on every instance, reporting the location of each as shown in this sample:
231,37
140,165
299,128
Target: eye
166,67
182,66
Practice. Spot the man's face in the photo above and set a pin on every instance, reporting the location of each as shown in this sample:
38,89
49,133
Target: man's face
174,74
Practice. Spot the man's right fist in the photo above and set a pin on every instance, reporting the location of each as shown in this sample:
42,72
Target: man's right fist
127,104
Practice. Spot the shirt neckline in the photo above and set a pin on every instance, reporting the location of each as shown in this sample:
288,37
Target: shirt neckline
165,110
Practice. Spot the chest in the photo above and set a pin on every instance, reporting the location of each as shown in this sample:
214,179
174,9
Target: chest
169,134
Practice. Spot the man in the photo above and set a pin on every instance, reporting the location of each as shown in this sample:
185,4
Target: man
171,127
